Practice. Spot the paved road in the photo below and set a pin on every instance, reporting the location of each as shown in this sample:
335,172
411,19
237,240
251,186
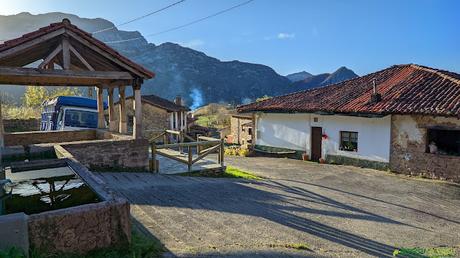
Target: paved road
335,210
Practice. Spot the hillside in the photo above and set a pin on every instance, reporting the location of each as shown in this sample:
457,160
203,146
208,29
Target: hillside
182,71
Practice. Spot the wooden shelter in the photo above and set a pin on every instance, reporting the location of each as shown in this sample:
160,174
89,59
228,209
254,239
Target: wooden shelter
72,57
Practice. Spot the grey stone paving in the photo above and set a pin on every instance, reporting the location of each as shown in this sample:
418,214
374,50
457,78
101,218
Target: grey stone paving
335,210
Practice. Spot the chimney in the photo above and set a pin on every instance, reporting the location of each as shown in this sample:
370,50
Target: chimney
375,97
178,100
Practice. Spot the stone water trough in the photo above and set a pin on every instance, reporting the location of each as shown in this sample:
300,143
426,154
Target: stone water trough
58,174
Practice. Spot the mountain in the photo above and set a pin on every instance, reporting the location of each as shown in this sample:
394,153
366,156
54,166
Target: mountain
341,74
325,79
179,70
198,78
300,76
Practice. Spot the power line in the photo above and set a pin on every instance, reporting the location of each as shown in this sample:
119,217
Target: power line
140,17
184,25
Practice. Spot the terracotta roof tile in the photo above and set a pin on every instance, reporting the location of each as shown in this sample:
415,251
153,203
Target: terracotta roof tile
405,89
162,103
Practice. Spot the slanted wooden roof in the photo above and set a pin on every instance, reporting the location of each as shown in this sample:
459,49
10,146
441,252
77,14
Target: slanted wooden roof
76,51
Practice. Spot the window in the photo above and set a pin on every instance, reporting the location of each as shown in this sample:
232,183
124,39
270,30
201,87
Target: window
348,141
80,118
250,131
443,141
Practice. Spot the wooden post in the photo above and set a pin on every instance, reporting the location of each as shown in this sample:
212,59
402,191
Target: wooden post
2,141
123,124
190,159
100,108
137,105
112,119
222,152
153,165
65,53
165,138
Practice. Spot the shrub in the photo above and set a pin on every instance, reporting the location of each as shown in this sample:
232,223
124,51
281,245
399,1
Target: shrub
243,152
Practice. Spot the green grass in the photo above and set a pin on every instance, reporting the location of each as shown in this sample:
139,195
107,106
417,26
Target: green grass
436,252
230,172
141,247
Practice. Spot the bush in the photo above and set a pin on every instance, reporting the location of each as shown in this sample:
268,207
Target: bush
236,151
243,152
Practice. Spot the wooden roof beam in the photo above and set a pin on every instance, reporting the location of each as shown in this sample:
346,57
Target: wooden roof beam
34,76
50,57
80,57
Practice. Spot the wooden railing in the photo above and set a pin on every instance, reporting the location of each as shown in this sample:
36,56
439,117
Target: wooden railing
175,151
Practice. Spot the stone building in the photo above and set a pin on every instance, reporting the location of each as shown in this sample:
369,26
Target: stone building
404,118
158,114
240,129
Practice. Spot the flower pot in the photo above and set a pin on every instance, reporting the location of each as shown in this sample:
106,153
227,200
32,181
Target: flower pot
322,161
305,157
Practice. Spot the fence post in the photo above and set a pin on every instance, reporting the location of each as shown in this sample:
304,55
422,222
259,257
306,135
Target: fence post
222,152
190,158
153,163
165,138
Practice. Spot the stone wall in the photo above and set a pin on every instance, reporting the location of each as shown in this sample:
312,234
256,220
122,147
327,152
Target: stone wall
21,125
408,148
129,155
82,228
154,120
236,130
27,138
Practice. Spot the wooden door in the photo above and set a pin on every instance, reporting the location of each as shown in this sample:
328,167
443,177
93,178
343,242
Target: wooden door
316,139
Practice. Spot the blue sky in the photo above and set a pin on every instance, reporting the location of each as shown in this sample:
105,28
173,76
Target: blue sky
291,35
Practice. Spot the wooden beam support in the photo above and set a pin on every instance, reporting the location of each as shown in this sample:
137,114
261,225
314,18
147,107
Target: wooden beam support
34,76
100,108
123,124
28,45
80,57
112,118
104,53
65,53
137,105
50,57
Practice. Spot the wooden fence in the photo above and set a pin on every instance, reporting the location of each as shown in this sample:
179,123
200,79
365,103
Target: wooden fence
176,151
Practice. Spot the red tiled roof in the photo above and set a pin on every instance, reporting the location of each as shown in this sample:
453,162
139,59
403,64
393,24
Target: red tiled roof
405,89
87,36
161,103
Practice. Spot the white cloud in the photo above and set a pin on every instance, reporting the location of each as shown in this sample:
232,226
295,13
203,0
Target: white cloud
194,43
284,35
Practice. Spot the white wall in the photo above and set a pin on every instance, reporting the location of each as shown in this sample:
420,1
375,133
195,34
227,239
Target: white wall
292,131
283,130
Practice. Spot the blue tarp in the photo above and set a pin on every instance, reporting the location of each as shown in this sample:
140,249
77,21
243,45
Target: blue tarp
73,102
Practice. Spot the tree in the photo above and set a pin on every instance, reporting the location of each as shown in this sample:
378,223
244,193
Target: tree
35,95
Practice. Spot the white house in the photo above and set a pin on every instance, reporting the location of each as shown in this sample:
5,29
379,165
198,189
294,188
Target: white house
404,118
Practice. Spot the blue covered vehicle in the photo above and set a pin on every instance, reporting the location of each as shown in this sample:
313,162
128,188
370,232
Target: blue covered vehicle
69,113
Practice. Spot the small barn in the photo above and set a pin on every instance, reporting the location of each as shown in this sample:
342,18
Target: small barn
404,118
240,129
158,115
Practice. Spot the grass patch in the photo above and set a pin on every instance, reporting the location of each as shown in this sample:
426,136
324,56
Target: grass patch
141,247
230,172
436,252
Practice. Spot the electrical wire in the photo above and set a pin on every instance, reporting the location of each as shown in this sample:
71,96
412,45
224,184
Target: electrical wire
140,17
182,26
